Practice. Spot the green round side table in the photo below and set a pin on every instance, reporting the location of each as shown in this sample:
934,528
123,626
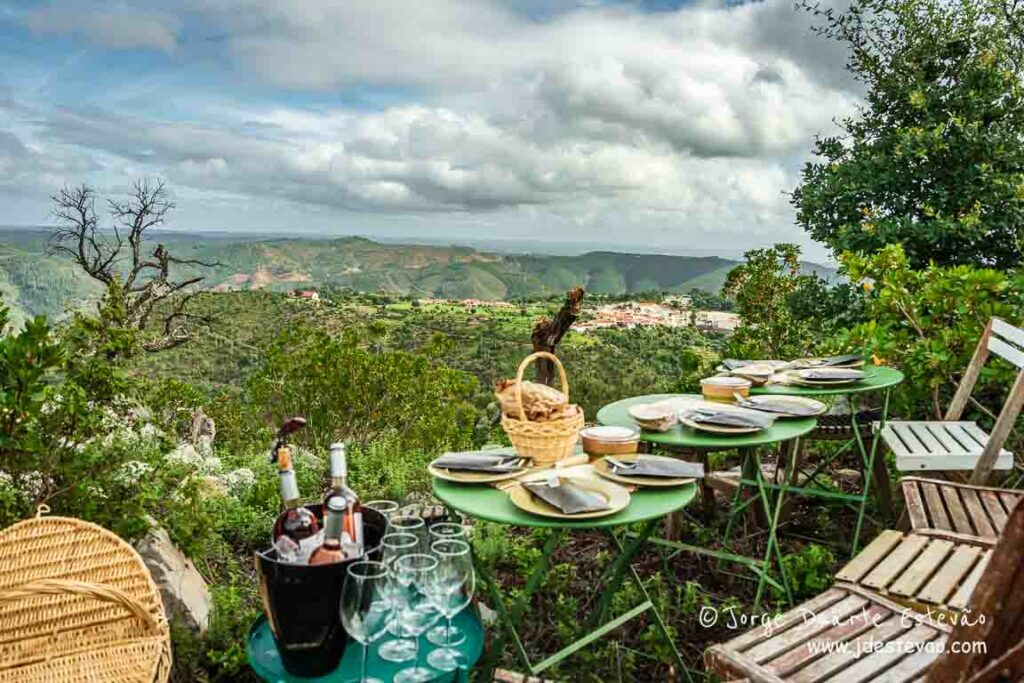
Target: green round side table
266,662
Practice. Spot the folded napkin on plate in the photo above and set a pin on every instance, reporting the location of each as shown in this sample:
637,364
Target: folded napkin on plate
830,374
480,461
647,467
568,497
766,405
837,361
729,418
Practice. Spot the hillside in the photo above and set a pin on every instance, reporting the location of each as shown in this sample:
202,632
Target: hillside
33,282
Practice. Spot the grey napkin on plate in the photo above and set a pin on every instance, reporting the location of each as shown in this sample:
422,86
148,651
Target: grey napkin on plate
766,405
832,374
837,361
728,418
479,461
568,497
734,363
669,469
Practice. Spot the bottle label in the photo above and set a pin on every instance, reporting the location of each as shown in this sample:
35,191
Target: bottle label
289,486
339,464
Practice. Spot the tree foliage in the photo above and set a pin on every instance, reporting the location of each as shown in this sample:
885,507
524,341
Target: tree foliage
762,288
935,160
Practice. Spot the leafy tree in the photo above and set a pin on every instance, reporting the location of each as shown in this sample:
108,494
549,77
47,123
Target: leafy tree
935,161
763,287
928,321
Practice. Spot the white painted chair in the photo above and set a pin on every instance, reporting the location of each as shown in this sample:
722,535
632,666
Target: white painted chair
956,445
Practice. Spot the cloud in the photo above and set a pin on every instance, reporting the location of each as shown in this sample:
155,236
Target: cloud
107,24
587,117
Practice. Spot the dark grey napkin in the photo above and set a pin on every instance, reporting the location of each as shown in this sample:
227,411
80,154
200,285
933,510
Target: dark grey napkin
832,375
479,461
734,363
669,469
728,418
838,361
567,496
766,405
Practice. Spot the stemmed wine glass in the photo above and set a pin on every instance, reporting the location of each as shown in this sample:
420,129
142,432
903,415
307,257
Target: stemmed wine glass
410,524
447,635
416,613
450,590
364,610
393,547
387,508
446,531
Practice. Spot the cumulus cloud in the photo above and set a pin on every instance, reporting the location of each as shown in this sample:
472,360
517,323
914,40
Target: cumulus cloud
589,115
108,24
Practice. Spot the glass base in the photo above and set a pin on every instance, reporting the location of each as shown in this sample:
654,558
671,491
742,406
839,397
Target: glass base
368,679
400,650
442,636
446,660
414,674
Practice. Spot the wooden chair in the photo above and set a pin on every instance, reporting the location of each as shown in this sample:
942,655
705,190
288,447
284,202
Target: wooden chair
956,445
853,635
956,511
924,573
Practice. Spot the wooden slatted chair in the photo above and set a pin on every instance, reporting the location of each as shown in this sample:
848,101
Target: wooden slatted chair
956,511
852,635
956,445
924,573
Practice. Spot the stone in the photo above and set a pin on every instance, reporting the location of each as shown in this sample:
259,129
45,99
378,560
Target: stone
848,476
182,588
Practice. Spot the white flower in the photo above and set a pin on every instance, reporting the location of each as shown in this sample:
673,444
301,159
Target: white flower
132,471
239,481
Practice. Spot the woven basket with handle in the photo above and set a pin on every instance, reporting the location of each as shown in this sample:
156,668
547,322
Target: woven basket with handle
545,442
77,604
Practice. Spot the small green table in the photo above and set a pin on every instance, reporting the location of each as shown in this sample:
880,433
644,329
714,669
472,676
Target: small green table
266,662
683,437
646,507
876,378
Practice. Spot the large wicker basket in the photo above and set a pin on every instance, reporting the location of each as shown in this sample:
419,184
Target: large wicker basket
77,604
545,442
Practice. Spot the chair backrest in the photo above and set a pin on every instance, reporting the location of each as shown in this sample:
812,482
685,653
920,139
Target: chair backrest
991,638
1007,342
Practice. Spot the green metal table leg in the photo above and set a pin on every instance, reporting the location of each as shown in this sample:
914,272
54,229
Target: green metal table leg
772,546
869,463
618,570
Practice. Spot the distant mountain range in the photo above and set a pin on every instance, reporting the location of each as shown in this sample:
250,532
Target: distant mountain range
32,282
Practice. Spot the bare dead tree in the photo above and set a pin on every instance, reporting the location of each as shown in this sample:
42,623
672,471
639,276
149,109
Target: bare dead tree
119,258
548,332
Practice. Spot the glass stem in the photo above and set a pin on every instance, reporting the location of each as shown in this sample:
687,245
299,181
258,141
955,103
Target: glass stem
448,633
366,653
417,646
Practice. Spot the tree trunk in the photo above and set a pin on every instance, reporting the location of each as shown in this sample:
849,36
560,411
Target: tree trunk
548,332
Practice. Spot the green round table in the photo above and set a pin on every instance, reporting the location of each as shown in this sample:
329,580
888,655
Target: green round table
647,507
681,436
266,662
876,378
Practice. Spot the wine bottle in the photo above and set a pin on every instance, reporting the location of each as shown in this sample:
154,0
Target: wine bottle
352,521
331,549
296,522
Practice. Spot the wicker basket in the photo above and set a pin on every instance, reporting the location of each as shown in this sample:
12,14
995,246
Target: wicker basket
545,442
77,604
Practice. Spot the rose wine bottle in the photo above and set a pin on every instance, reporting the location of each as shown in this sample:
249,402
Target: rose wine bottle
331,550
296,522
352,521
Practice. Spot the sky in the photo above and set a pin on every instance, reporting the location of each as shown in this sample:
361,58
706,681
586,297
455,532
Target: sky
655,126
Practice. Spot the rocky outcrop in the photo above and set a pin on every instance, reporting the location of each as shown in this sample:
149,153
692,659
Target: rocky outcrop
182,588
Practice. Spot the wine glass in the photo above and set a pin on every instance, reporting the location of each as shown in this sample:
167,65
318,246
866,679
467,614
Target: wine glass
387,508
410,524
364,611
393,546
416,613
451,591
447,531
